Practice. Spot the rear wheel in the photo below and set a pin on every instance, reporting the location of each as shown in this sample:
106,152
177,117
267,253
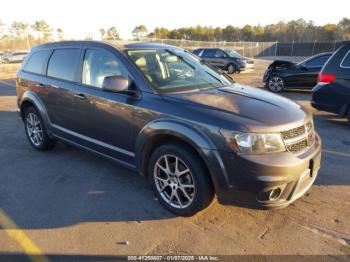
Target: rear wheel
275,84
180,180
36,131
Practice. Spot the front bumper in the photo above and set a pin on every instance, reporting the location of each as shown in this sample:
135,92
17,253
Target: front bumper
253,178
246,67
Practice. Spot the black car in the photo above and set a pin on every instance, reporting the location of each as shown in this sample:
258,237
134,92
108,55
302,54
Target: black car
160,111
283,74
332,92
226,59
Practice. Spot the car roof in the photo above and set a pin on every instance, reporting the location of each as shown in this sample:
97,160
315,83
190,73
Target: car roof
149,46
104,44
322,54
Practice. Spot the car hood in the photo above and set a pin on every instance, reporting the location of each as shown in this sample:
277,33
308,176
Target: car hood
256,109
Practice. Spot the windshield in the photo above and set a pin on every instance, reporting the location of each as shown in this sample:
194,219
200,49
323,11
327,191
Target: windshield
176,70
233,53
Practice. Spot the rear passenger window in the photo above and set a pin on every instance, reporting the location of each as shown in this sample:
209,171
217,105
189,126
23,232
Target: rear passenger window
98,64
209,52
346,61
317,62
36,62
63,63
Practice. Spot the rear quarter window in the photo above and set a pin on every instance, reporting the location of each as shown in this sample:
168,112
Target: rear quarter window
37,62
63,64
345,63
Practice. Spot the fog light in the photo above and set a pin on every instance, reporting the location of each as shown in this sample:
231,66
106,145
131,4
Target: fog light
275,193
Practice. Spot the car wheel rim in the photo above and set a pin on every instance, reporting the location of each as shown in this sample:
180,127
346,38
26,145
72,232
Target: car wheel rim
230,69
174,181
276,84
34,129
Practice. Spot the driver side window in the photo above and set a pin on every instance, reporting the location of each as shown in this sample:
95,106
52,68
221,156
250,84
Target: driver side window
98,64
219,54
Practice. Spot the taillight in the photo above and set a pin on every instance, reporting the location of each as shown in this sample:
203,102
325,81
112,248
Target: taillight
324,78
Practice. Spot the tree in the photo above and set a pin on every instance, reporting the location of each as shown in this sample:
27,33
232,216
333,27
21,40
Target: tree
103,33
60,34
160,32
109,34
2,27
20,29
344,28
112,33
43,28
139,31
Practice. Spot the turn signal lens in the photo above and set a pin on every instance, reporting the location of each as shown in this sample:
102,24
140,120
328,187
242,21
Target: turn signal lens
324,78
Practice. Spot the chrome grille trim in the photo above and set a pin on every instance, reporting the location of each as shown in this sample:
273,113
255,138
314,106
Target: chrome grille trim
299,139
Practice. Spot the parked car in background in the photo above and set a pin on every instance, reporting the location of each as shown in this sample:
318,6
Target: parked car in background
332,93
227,59
284,74
161,111
16,57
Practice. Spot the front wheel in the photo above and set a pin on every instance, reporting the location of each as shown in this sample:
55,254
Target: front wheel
275,84
231,69
180,180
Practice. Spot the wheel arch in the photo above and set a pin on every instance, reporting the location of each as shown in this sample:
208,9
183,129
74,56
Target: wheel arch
29,99
160,132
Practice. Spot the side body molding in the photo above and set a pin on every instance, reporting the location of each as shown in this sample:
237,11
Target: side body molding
187,133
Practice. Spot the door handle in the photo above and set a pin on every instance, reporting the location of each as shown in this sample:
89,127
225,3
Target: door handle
40,85
80,96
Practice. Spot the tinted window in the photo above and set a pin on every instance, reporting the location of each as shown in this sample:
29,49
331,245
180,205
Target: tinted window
36,62
219,53
175,70
209,52
318,61
196,52
63,63
98,64
346,61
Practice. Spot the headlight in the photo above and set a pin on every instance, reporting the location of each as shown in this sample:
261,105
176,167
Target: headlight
250,143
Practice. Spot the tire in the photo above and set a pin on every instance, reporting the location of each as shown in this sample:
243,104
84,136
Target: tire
231,69
194,190
275,84
36,131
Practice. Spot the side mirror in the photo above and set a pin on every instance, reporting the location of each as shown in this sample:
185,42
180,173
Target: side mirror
117,84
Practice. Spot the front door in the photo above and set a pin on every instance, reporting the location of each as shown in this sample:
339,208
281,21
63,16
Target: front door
104,119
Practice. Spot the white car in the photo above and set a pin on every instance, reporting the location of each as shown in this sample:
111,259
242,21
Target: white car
16,57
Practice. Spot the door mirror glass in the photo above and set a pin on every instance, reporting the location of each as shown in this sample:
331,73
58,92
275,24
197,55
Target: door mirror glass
116,84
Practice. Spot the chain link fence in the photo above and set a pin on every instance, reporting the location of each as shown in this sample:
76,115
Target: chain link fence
250,49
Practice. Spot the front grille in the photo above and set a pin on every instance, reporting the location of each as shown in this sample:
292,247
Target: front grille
294,132
297,147
300,138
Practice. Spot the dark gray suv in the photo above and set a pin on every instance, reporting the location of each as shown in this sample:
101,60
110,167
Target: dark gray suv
161,111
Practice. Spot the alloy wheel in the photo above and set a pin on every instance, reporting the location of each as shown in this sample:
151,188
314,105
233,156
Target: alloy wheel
174,181
34,129
276,84
231,69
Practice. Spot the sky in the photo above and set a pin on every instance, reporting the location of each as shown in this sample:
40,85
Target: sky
81,18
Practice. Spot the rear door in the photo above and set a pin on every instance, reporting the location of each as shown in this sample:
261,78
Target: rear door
215,57
59,86
305,75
